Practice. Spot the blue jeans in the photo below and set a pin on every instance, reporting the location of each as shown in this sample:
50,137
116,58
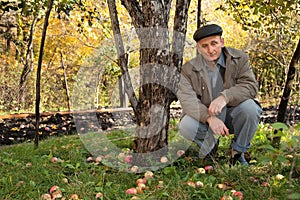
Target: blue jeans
242,121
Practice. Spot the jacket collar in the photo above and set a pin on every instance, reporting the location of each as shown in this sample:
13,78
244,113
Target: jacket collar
230,52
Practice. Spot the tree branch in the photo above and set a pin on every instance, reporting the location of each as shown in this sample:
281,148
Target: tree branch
122,55
180,28
135,12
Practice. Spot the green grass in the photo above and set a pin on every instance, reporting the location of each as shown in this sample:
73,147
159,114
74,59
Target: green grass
28,173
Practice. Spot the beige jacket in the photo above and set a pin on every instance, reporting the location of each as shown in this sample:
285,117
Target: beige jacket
194,92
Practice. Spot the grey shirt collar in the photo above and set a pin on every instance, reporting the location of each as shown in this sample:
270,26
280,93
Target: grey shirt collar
221,60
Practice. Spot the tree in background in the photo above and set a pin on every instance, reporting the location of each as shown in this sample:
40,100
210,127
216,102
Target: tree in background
277,50
38,78
75,29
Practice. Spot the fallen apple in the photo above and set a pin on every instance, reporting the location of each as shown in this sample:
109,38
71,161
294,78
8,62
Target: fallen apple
54,159
141,186
279,177
53,188
131,191
199,184
180,153
46,197
98,159
99,195
200,170
73,197
121,156
128,159
208,168
265,184
238,194
65,180
55,192
89,159
226,197
222,186
163,159
191,183
134,169
148,174
141,180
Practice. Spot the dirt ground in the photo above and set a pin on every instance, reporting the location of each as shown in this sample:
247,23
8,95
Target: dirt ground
21,127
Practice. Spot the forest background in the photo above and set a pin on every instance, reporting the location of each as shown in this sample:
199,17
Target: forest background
80,35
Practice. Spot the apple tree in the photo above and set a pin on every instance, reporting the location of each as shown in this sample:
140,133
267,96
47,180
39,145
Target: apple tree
160,58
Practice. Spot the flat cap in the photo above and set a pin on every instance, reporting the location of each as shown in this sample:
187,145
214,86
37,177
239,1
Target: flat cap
207,30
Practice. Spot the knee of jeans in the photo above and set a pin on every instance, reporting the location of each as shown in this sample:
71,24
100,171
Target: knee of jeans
249,111
186,130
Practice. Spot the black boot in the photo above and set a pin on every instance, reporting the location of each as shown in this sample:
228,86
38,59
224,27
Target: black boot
212,154
238,157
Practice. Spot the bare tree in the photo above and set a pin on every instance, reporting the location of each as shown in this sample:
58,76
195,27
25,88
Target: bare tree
287,90
38,76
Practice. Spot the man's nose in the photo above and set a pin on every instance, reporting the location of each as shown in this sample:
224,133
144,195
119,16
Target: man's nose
210,49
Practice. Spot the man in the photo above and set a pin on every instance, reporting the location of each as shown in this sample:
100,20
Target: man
216,92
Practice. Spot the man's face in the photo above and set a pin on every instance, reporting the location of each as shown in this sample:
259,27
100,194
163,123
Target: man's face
210,47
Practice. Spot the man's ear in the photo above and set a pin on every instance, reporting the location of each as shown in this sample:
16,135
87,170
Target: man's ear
198,47
222,42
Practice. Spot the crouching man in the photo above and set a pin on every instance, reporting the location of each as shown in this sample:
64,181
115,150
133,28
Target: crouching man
216,91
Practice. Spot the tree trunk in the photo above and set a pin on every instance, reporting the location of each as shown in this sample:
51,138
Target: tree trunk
65,81
38,76
158,67
287,90
28,63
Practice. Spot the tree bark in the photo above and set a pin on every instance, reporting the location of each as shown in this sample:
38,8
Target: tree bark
38,76
287,90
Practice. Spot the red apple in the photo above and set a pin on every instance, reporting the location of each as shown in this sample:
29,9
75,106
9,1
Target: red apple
208,168
89,159
238,194
54,159
99,195
128,159
141,180
131,191
265,184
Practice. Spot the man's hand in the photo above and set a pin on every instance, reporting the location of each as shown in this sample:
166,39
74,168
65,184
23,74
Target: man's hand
217,126
216,106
